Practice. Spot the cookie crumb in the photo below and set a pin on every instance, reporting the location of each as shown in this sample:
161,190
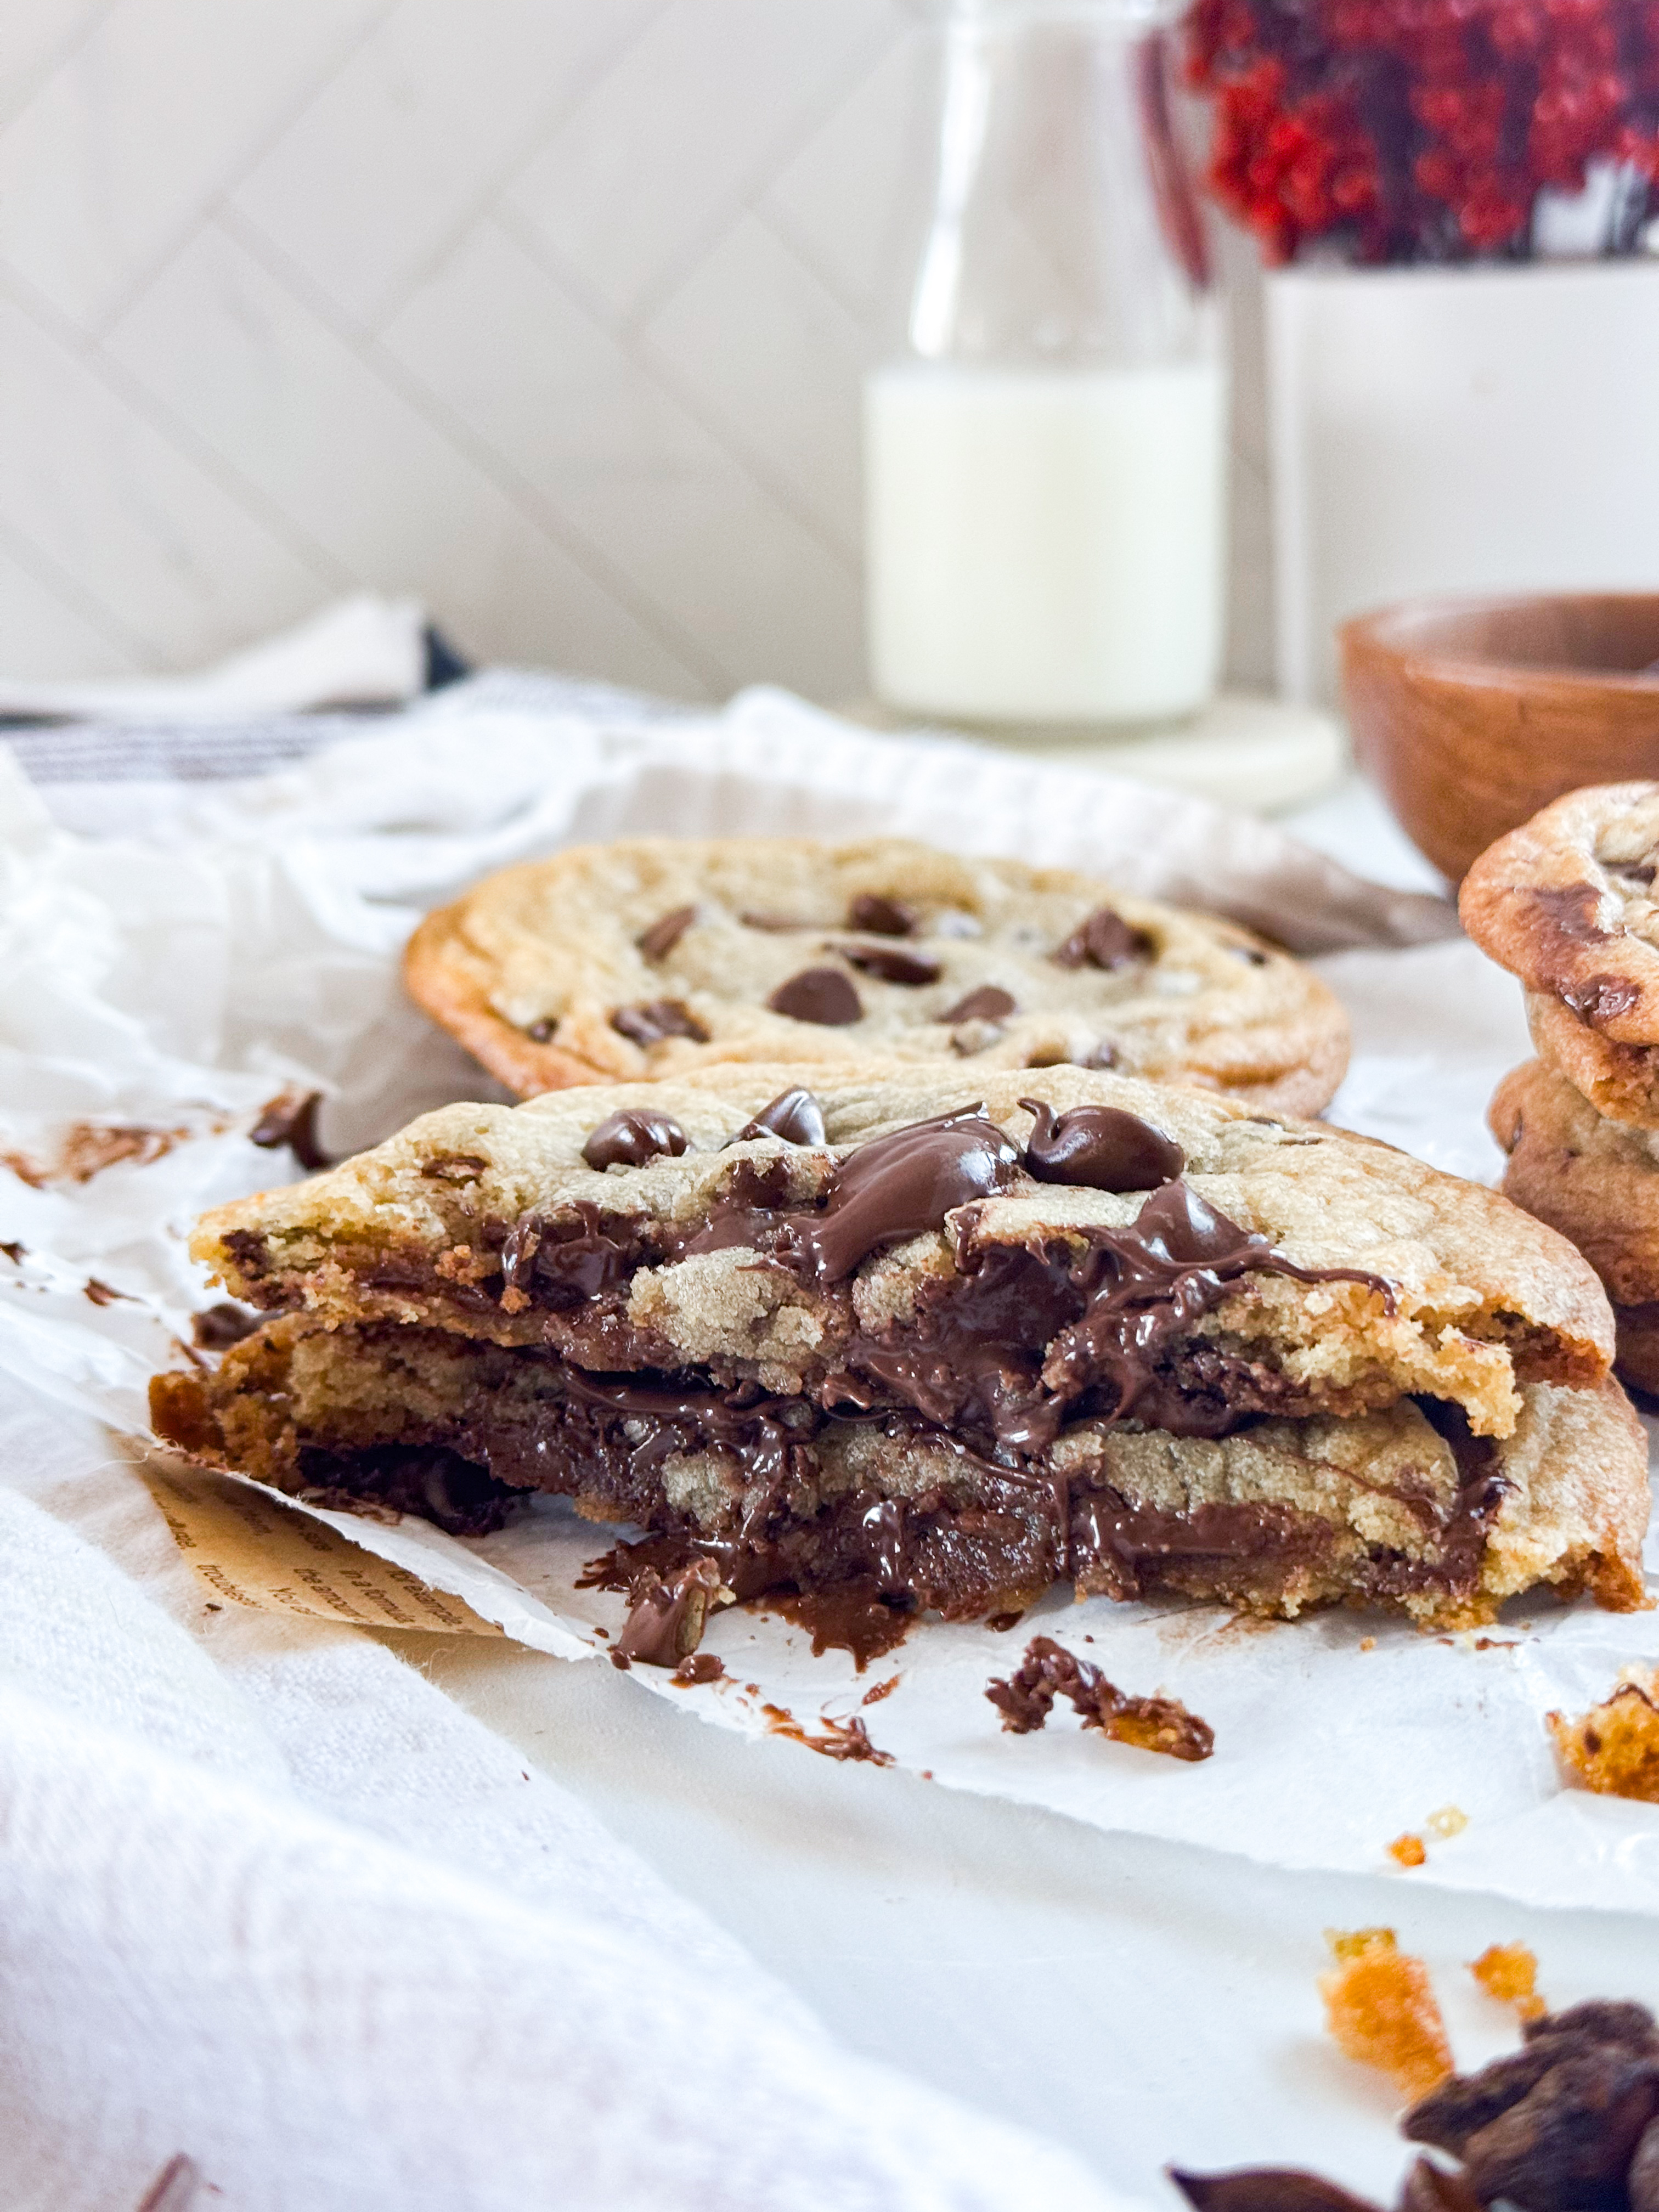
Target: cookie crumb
1380,2009
1509,1971
1367,1643
1408,1849
1614,1749
1047,1670
1449,1822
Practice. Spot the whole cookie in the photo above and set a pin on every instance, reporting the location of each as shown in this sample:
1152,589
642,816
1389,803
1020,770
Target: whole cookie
655,956
1567,903
1597,1182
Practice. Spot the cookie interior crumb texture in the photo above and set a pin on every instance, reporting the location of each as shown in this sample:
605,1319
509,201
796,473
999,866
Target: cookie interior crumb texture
1382,2011
655,956
1614,1749
944,1345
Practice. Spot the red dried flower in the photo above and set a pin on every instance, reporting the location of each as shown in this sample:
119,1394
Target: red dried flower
1422,130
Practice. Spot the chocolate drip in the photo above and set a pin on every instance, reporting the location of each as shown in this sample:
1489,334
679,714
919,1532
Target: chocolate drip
1104,940
562,1263
632,1137
822,995
989,1003
795,1115
1145,1286
659,940
1100,1147
881,917
896,1187
889,964
657,1018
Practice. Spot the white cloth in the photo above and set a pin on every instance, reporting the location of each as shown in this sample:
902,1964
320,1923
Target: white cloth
362,652
268,1899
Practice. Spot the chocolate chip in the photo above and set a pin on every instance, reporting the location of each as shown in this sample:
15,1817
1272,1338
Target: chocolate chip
1248,953
795,1115
455,1167
1602,2019
822,995
659,940
541,1032
658,1019
775,922
881,917
1104,940
1104,1055
1100,1147
1601,999
217,1327
632,1137
989,1003
889,964
291,1119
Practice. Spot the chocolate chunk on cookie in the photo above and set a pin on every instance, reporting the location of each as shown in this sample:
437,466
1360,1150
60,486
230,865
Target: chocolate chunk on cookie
886,953
1566,903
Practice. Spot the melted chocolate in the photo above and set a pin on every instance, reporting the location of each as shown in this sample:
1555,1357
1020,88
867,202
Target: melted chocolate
1569,916
795,1115
217,1327
702,1666
1145,1286
889,964
291,1119
666,1621
896,1187
822,995
852,1617
1104,940
1100,1147
563,1263
634,1136
880,917
664,934
1099,1320
1048,1670
649,1023
989,1003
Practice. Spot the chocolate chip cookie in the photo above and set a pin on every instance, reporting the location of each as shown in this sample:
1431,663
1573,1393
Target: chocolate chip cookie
652,958
1597,1182
939,1341
1567,903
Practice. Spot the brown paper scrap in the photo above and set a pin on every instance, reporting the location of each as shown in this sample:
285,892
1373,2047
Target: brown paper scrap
251,1547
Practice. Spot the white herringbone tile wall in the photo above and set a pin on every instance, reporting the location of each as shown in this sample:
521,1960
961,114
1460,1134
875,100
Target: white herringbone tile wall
551,312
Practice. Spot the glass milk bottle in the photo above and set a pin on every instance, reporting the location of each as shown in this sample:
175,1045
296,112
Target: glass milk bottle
1046,464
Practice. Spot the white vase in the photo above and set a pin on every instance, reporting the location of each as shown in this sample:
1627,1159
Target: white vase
1456,430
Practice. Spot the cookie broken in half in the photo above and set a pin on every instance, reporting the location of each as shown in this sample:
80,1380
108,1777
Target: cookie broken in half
941,1342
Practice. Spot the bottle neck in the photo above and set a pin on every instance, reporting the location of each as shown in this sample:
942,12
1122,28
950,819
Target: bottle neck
1065,231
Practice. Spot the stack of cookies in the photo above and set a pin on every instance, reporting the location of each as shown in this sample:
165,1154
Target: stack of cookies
884,1278
1567,903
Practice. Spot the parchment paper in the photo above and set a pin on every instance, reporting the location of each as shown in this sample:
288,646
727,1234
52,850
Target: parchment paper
169,988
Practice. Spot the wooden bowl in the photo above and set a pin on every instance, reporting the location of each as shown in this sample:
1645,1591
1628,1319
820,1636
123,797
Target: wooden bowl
1472,713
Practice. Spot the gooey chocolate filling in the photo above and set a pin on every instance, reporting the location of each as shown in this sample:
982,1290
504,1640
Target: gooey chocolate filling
994,1362
987,1535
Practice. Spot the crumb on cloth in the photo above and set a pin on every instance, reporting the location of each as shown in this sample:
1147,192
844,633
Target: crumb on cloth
1509,1971
1381,2008
1614,1749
